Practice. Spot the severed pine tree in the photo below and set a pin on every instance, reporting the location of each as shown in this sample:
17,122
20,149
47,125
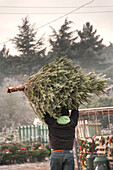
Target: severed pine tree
58,84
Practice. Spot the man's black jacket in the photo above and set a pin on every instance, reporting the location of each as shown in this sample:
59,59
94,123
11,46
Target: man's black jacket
62,136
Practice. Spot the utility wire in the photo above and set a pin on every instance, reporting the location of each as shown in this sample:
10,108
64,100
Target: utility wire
55,13
66,14
62,16
108,6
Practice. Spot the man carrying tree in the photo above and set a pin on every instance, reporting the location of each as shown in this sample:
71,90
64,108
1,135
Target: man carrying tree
61,139
57,88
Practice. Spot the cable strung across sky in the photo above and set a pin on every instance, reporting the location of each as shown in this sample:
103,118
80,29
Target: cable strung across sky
63,15
56,7
52,13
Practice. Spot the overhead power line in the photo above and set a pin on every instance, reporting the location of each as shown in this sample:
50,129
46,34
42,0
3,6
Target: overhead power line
62,16
67,14
55,13
108,6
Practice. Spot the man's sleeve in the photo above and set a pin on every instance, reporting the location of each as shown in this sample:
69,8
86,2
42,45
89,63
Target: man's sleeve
48,120
74,115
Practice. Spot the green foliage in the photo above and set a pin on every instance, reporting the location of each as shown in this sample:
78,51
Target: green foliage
20,156
63,42
102,101
36,145
13,153
26,41
90,47
89,38
4,146
38,155
23,156
13,146
6,158
60,83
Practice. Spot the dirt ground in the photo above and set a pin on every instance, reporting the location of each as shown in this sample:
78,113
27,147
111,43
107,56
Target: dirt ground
27,166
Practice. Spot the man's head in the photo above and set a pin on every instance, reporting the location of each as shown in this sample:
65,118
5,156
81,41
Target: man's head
64,111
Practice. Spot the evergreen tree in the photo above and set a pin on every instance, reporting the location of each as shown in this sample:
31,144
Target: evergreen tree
89,47
26,41
63,42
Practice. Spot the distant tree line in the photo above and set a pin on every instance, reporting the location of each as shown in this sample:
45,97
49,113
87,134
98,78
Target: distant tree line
84,47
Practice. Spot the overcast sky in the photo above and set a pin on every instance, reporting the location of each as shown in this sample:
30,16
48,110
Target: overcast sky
53,13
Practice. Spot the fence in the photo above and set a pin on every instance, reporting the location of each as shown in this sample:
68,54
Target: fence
34,133
88,128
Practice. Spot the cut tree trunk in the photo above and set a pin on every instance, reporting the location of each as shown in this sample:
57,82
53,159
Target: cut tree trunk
11,89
